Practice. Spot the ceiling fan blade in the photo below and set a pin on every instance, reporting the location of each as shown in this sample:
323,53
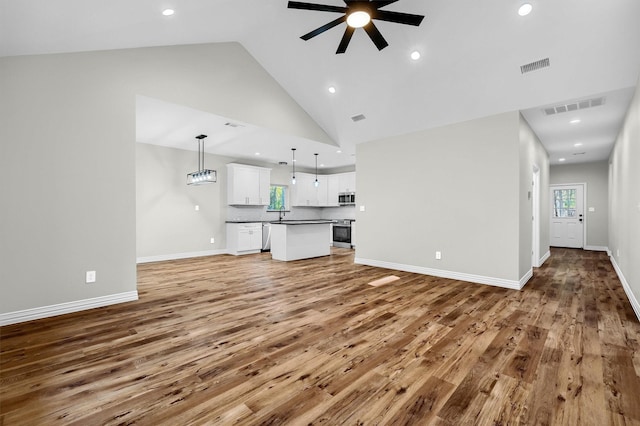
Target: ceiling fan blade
379,4
398,17
313,6
346,38
324,28
375,35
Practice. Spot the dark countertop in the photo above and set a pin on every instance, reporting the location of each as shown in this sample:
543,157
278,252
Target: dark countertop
303,222
288,222
244,221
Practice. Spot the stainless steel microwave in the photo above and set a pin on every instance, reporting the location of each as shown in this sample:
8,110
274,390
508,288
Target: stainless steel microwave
347,198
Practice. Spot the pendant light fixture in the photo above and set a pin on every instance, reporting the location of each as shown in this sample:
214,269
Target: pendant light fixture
202,175
293,176
316,183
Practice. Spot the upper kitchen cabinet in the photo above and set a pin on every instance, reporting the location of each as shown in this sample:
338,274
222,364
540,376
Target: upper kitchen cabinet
333,188
304,193
247,185
347,182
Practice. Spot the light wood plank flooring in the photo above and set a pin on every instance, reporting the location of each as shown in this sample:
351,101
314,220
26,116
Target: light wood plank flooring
246,340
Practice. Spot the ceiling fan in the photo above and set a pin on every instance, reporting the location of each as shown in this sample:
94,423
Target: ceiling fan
358,14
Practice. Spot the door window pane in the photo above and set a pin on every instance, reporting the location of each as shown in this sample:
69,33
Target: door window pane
564,203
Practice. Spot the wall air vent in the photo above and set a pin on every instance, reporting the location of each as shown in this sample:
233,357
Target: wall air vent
358,117
230,124
533,66
574,106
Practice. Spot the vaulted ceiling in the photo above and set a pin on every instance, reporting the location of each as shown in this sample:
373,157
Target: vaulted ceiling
470,64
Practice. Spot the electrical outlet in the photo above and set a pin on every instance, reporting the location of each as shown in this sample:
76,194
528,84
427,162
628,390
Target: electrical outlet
438,255
90,277
197,207
213,240
362,208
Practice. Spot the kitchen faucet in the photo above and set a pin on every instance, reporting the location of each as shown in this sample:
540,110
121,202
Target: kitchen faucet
281,213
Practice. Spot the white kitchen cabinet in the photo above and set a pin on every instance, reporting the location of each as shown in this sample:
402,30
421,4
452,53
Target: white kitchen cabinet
248,185
333,185
244,238
347,182
304,192
321,191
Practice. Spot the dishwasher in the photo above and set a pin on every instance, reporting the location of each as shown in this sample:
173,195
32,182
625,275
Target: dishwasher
266,236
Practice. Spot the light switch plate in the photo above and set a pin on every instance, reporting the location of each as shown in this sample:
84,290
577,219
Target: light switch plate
592,209
361,208
197,207
90,277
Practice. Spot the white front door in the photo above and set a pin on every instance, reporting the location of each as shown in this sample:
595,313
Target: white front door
567,216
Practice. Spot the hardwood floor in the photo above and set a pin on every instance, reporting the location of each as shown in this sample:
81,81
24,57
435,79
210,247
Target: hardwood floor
246,340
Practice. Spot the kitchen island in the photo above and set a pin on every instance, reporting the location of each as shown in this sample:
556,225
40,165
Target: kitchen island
300,239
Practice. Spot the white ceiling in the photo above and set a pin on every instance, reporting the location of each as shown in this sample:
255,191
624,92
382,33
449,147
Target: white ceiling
470,65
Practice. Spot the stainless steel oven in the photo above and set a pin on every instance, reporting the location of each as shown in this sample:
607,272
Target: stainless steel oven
342,233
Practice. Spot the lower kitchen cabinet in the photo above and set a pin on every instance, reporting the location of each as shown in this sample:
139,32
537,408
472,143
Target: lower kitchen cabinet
244,238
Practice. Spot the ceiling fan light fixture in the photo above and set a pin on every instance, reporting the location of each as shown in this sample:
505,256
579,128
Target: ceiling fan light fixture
525,9
358,19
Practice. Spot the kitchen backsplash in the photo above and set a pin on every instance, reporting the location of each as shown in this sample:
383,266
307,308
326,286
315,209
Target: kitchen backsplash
260,214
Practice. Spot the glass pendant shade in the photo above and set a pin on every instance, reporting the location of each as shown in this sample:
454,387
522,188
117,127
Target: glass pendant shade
293,175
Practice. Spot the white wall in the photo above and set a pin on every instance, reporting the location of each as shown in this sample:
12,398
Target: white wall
454,189
624,203
68,150
596,176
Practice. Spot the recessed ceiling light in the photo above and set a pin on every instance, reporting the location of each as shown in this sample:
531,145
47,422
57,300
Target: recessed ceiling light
257,153
332,89
575,121
525,9
338,152
168,12
321,165
415,55
358,19
561,159
577,144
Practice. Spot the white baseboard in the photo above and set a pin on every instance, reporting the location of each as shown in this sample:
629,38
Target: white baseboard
597,248
479,279
627,288
176,256
66,308
544,258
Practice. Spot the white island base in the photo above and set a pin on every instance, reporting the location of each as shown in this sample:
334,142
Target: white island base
299,240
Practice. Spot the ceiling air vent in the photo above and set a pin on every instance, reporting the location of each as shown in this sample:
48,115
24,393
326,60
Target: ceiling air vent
533,66
358,117
574,106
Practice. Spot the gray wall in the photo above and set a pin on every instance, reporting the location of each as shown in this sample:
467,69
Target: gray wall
532,154
596,176
454,189
167,223
68,156
624,201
